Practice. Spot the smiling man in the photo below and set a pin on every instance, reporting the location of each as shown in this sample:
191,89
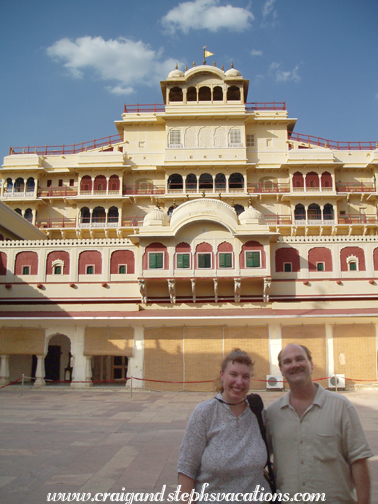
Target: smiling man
316,436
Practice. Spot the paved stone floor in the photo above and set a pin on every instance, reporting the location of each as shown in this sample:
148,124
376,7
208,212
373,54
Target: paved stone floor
105,441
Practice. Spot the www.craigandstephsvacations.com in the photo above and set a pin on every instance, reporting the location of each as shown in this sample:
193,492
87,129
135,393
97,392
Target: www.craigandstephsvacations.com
258,495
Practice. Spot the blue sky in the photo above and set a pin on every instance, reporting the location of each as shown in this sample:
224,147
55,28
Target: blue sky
68,66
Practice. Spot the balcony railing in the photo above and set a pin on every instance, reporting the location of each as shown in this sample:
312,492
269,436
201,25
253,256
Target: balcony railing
281,220
358,187
139,108
61,223
312,189
47,192
268,188
142,189
358,219
18,193
332,144
48,150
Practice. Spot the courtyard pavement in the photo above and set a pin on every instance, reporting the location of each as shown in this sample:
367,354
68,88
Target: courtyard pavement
97,440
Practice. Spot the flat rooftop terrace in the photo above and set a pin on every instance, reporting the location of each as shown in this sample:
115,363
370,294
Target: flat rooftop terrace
105,440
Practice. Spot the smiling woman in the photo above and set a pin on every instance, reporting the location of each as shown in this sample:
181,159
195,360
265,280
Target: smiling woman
222,446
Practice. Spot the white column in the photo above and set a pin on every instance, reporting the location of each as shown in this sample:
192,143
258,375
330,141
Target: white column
107,185
4,370
3,182
88,370
40,372
135,363
78,359
93,180
275,346
330,363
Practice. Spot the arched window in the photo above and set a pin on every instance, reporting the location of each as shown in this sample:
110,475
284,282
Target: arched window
114,183
18,210
220,181
314,212
86,183
100,183
9,184
217,93
19,185
204,94
85,215
28,215
239,209
298,181
206,182
299,212
312,180
326,180
236,181
233,93
30,184
170,210
191,182
328,213
191,94
175,182
98,215
175,94
113,214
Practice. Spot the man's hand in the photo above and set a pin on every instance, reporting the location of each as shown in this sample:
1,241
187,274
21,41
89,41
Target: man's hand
361,479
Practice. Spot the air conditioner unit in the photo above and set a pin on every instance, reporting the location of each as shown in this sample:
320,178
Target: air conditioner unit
336,381
274,382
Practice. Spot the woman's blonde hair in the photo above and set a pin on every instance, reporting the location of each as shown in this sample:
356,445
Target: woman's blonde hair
236,355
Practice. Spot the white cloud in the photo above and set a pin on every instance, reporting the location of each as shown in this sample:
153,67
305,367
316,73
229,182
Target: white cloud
123,61
255,52
282,75
206,15
269,9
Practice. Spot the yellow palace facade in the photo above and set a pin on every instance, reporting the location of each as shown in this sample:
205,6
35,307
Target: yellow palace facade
206,223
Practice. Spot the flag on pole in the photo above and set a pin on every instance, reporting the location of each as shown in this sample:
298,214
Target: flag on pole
208,53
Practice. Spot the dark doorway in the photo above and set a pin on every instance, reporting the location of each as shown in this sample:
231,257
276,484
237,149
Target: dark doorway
52,363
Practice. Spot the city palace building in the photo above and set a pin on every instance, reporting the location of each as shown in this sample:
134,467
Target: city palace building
204,224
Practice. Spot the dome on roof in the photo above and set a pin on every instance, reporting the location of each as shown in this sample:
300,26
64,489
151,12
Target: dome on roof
232,72
156,218
175,74
251,216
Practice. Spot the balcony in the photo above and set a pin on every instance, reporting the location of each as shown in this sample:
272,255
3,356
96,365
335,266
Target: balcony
358,219
143,190
18,193
312,189
265,188
331,144
51,192
278,220
314,222
48,150
355,187
61,223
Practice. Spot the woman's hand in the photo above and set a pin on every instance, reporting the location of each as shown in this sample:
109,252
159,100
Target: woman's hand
187,484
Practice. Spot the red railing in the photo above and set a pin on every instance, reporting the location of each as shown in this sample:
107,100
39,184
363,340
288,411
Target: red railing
359,187
49,223
48,150
358,219
268,188
143,107
46,192
138,108
332,144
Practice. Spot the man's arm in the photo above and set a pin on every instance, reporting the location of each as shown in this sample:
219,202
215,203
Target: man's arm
361,479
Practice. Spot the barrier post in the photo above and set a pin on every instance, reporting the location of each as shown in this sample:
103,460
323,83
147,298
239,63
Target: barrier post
22,384
131,387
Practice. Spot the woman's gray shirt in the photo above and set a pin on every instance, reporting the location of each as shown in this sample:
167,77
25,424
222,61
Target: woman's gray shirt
223,450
